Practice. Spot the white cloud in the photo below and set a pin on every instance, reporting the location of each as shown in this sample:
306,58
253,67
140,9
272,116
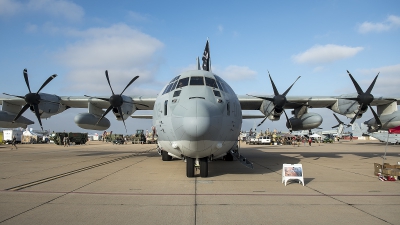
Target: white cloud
326,54
236,73
123,51
55,8
136,16
388,81
9,7
391,22
220,28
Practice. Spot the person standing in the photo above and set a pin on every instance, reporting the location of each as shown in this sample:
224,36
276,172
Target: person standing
309,141
14,143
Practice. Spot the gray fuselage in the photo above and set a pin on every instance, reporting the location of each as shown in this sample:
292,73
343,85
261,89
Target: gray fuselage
197,115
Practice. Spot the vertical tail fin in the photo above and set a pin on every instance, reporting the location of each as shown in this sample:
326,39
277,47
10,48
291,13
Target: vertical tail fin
206,57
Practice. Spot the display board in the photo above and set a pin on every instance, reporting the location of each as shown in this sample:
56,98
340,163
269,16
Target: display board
292,172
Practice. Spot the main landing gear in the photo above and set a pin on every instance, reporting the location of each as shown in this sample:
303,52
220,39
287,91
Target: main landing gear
190,166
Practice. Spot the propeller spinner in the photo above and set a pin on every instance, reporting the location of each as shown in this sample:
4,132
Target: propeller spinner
31,99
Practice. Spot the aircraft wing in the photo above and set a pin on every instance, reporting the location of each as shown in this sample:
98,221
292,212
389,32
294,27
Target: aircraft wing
82,102
253,103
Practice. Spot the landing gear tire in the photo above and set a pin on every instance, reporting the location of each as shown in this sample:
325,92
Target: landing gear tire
189,167
165,156
203,167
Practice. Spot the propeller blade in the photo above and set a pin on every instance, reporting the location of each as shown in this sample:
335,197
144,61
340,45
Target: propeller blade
108,80
336,126
36,107
265,98
27,80
287,91
107,111
133,80
120,114
372,85
276,92
339,121
14,95
46,82
262,122
355,117
378,121
287,118
359,90
104,99
26,106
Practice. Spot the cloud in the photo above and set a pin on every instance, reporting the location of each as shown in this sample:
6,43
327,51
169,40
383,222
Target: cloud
137,16
56,8
388,81
237,73
391,22
220,28
326,54
123,51
9,7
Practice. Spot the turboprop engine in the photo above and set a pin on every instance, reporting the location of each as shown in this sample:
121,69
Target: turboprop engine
306,122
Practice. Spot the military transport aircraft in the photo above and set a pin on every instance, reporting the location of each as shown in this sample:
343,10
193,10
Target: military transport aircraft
197,115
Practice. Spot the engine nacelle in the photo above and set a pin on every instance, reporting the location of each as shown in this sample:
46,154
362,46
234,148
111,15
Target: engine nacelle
7,118
88,121
267,109
49,105
307,121
128,108
388,121
348,108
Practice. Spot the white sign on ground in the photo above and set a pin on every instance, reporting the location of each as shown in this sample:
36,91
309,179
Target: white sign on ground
292,172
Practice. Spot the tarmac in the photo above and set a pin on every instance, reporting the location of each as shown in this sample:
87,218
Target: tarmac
102,183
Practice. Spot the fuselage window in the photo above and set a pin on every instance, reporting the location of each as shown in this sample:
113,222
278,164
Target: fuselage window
228,109
177,93
196,81
211,82
183,82
165,107
217,93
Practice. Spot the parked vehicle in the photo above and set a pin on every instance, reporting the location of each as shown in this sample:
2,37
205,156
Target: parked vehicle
9,134
264,140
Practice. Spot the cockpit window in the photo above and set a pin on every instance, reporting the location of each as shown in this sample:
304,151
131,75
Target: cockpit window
196,81
183,82
217,93
175,78
211,82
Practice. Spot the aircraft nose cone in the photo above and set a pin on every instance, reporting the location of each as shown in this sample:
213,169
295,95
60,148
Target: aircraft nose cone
197,121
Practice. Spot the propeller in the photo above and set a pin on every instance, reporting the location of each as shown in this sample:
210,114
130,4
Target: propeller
340,122
364,99
32,99
116,100
279,100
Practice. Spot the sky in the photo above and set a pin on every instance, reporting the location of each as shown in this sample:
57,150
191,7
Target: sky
317,40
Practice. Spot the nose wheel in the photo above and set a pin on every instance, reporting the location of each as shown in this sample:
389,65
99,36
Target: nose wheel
190,166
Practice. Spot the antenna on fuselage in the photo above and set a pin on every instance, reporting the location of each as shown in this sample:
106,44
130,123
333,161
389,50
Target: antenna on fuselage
198,63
